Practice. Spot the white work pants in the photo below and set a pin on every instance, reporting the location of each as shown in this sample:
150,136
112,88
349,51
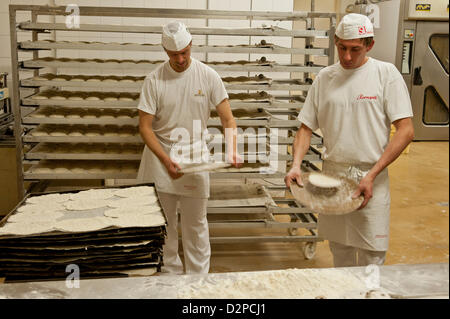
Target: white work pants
348,256
194,234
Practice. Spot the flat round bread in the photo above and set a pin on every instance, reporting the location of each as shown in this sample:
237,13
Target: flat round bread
39,133
133,201
93,98
324,181
42,170
22,229
30,217
39,97
338,202
143,210
81,224
139,220
49,199
85,204
136,191
93,194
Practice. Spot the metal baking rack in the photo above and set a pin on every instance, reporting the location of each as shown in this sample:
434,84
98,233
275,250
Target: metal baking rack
23,102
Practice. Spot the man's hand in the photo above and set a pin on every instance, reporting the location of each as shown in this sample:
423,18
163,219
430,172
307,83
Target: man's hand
365,188
235,159
294,175
173,168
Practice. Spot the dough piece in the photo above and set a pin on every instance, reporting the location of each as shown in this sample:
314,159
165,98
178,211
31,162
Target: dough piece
85,204
42,170
133,201
93,133
22,229
136,191
49,200
139,220
57,115
111,98
81,224
77,97
78,79
94,79
324,181
93,98
61,170
142,210
39,133
58,132
93,194
28,217
58,96
39,97
76,133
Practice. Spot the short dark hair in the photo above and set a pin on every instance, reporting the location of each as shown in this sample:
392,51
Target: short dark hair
366,41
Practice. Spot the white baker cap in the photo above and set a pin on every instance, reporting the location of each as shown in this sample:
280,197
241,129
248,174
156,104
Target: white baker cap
354,26
175,36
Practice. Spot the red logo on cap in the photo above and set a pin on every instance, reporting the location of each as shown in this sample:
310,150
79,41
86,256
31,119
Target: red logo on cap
362,30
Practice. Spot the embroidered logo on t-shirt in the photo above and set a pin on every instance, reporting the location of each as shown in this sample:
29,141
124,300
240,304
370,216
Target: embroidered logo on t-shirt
199,93
363,97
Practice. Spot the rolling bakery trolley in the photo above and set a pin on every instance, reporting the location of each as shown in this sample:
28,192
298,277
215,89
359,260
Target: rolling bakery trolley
79,114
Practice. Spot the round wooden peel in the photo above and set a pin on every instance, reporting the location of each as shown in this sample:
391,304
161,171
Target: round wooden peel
338,202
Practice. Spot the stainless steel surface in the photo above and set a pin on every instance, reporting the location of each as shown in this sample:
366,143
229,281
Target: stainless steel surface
433,74
400,281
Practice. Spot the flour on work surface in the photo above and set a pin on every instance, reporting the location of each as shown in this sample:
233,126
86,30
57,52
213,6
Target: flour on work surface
290,284
135,191
118,212
94,194
85,204
321,180
133,201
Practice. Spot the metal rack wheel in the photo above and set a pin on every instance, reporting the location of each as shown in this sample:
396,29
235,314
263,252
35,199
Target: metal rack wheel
292,231
309,250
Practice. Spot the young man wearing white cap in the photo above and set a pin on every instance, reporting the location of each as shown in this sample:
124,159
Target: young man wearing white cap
176,98
353,103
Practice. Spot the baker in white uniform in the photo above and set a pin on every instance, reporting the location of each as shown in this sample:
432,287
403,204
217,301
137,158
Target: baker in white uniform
353,103
177,97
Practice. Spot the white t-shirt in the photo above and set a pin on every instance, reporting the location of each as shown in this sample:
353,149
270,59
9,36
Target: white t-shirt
177,100
354,110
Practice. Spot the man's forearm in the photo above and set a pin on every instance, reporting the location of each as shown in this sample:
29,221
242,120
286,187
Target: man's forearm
153,144
229,126
301,146
398,143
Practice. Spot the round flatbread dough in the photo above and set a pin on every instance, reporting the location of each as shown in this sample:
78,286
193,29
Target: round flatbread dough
93,194
49,199
81,224
32,217
133,201
39,133
42,170
85,204
143,210
139,220
324,181
136,191
22,229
